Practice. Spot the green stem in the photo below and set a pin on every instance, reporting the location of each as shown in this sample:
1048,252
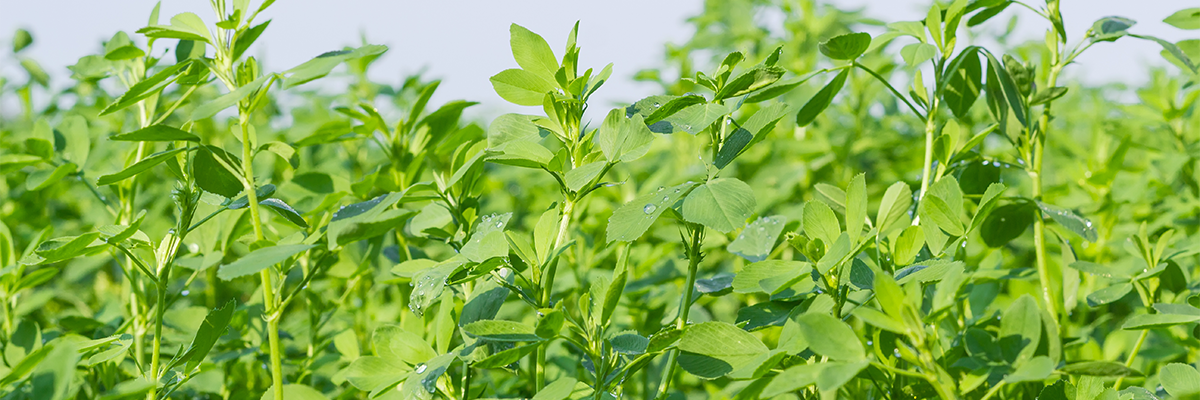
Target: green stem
930,132
894,91
993,391
548,287
1132,355
155,351
1039,224
685,305
271,302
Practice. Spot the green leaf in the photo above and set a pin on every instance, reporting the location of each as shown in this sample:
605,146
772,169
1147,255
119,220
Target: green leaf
295,391
47,177
879,320
1099,368
821,100
1021,329
1179,380
259,260
1156,321
145,88
754,130
758,239
521,87
1110,28
212,168
212,329
1109,294
1034,370
714,349
1188,18
749,81
1006,223
893,207
502,331
964,82
322,64
1003,93
284,210
488,241
769,276
916,53
631,220
830,337
846,47
558,390
132,388
1070,220
227,100
65,248
155,133
532,52
140,167
187,26
53,376
21,39
580,176
856,206
820,222
395,343
624,139
692,119
942,213
372,373
504,358
722,204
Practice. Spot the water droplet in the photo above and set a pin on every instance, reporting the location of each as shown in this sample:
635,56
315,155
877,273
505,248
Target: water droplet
896,352
649,208
499,224
676,190
656,105
185,292
870,343
660,188
420,368
665,198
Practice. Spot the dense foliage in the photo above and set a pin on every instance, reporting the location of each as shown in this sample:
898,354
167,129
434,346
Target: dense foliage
804,212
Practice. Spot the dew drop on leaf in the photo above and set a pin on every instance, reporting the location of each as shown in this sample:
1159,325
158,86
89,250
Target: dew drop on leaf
420,368
649,208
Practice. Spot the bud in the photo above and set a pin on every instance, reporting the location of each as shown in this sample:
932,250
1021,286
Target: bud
21,40
247,72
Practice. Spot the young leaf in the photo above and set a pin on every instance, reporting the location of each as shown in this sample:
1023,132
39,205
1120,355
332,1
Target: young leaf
521,87
259,260
846,47
758,239
830,337
1070,220
631,220
212,168
749,81
155,133
821,100
1180,380
532,52
624,139
964,82
1188,18
502,331
722,204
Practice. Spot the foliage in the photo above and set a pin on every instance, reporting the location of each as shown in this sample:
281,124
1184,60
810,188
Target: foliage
783,221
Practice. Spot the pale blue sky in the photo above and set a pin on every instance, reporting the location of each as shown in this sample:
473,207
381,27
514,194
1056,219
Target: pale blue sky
464,42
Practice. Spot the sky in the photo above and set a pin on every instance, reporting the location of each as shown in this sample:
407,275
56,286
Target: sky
464,42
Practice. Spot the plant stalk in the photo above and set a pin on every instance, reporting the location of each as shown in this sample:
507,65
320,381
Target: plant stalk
269,298
1039,224
685,305
548,288
1132,355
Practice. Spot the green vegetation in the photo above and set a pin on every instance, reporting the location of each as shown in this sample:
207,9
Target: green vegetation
816,212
